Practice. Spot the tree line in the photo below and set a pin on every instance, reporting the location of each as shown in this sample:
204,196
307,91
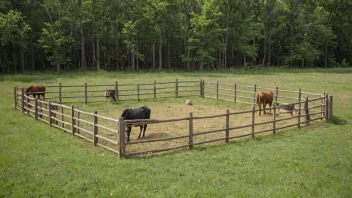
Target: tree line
173,34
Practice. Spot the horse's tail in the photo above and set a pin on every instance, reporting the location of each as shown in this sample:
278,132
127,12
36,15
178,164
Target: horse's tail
258,98
28,89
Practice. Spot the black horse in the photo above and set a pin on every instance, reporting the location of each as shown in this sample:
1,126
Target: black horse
133,114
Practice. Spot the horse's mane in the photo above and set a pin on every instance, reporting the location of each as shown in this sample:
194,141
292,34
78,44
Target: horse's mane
124,112
28,89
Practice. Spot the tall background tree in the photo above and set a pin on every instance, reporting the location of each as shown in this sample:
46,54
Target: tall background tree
173,34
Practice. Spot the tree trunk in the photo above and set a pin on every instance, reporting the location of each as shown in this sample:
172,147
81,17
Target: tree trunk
116,46
98,53
93,53
160,52
22,59
83,56
154,55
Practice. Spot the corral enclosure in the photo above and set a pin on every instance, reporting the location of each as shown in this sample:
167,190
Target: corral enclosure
174,124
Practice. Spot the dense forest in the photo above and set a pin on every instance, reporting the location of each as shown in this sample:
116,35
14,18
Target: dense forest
173,34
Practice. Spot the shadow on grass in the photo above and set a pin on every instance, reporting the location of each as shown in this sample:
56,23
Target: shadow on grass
337,121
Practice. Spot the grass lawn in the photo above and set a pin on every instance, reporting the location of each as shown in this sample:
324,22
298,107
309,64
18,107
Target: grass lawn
36,160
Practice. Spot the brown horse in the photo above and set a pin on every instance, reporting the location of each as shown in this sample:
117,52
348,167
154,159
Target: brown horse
264,97
36,90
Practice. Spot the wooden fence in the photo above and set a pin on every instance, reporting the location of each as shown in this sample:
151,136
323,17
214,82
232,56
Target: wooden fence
109,133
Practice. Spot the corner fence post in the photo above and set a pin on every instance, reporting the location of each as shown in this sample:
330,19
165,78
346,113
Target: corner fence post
307,111
255,93
331,107
274,123
299,109
176,88
190,140
117,91
85,93
60,93
73,121
36,108
253,115
122,138
227,125
95,129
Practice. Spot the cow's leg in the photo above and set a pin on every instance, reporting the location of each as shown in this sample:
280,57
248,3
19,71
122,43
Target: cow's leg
140,132
264,105
270,106
145,128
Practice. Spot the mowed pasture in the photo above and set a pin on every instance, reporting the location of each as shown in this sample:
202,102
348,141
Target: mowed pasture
37,160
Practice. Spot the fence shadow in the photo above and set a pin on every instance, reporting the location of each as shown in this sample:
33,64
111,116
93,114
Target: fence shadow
337,121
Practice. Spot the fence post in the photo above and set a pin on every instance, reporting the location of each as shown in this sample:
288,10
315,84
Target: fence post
78,122
299,109
253,115
154,89
95,129
85,93
60,93
73,120
217,90
49,113
176,88
323,106
330,107
234,92
15,94
36,108
137,92
116,91
276,95
201,87
22,100
326,106
122,138
255,93
27,104
307,111
190,141
227,125
274,123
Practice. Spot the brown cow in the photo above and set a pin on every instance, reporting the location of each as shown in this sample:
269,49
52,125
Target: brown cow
36,90
264,97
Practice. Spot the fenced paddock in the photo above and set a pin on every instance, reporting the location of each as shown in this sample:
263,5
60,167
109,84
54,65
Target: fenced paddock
190,126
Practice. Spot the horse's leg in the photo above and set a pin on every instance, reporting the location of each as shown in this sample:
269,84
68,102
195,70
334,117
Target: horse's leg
140,132
260,109
145,128
128,133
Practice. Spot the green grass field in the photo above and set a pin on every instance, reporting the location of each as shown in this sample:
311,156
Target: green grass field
39,161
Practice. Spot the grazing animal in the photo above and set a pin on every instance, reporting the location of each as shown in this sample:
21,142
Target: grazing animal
110,94
264,98
189,102
133,114
36,91
286,109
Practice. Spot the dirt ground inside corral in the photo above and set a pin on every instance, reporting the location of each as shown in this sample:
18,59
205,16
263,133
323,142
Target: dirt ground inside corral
181,128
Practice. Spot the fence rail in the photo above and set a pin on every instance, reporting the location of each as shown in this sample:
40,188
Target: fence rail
109,133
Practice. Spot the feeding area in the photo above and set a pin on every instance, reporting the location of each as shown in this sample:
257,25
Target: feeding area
188,119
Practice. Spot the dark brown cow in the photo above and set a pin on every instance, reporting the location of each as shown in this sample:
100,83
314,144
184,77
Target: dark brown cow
263,98
110,94
36,91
